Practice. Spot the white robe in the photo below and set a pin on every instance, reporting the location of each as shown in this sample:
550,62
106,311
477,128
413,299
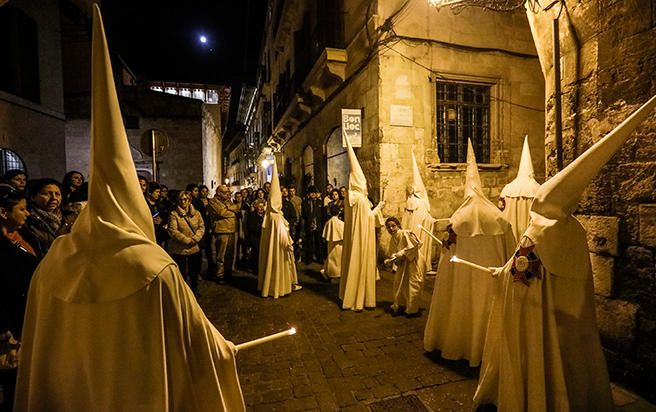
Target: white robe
153,350
357,287
462,297
277,268
417,214
517,213
333,233
408,270
543,352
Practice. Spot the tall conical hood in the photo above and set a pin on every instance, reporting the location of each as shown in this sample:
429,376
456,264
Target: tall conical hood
524,184
477,216
558,197
111,250
275,195
357,181
559,238
472,179
418,187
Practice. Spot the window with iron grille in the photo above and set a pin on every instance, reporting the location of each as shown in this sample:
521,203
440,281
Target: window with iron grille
463,112
10,160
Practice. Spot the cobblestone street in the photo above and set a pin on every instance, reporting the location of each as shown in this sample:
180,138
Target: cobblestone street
339,360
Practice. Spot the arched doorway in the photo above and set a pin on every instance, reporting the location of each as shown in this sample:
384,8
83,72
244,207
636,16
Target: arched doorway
308,167
337,164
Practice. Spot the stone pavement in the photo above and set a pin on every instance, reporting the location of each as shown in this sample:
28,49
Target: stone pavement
340,360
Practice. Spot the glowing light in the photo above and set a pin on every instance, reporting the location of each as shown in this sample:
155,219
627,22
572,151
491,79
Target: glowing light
203,39
292,331
265,163
227,180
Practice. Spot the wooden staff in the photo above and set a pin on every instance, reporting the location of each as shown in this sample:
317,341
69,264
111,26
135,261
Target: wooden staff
423,229
255,342
456,259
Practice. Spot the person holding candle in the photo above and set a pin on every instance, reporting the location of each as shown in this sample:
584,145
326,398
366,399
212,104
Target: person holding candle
417,213
357,287
542,351
458,315
276,274
110,324
333,234
407,263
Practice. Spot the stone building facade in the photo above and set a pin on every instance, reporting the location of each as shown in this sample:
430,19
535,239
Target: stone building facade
31,88
608,68
390,57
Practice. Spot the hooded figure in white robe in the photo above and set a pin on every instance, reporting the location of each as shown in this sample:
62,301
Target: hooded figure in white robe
110,323
407,264
333,233
276,269
518,194
357,286
543,351
417,212
462,297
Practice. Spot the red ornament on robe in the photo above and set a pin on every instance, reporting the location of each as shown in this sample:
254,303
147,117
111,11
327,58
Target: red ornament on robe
526,265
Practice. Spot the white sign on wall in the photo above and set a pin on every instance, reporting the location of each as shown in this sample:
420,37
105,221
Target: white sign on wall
352,126
400,115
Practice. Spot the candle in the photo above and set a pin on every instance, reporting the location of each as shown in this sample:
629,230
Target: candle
255,342
430,234
456,259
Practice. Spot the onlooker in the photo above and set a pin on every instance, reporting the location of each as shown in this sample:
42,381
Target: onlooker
208,240
224,216
164,193
342,192
20,254
240,236
16,178
160,218
295,229
143,183
72,181
76,202
312,211
261,195
327,198
254,225
186,229
288,210
45,220
336,200
267,189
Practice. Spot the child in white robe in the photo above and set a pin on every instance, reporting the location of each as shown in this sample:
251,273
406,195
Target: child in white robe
408,265
333,233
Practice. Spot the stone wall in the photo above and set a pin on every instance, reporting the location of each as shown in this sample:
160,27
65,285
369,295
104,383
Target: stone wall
212,146
28,127
470,46
608,57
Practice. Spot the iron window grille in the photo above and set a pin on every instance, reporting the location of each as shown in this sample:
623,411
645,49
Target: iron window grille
463,112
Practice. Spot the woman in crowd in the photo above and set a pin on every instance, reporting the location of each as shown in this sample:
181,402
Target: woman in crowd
15,178
260,194
45,220
20,253
160,217
72,181
336,200
186,229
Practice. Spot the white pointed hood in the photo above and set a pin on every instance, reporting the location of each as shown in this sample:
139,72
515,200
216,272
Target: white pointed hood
274,205
111,250
477,215
418,188
553,228
357,181
524,184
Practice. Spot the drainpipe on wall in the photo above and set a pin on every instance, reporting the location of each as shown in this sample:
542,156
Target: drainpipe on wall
558,125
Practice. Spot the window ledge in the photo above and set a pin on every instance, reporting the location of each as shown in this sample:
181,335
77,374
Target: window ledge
460,167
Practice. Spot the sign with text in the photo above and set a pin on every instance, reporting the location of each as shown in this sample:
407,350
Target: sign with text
352,126
401,115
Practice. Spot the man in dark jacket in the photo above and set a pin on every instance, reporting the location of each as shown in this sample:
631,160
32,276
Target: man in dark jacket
312,211
254,230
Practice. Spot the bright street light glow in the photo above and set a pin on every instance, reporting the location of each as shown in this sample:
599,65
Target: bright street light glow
203,39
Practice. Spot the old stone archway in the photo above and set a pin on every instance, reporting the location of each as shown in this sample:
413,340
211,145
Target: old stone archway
337,165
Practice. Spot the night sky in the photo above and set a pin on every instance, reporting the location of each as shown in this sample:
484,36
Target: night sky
159,40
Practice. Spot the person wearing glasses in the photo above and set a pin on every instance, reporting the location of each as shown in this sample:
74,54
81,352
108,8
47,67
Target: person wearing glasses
186,229
223,213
